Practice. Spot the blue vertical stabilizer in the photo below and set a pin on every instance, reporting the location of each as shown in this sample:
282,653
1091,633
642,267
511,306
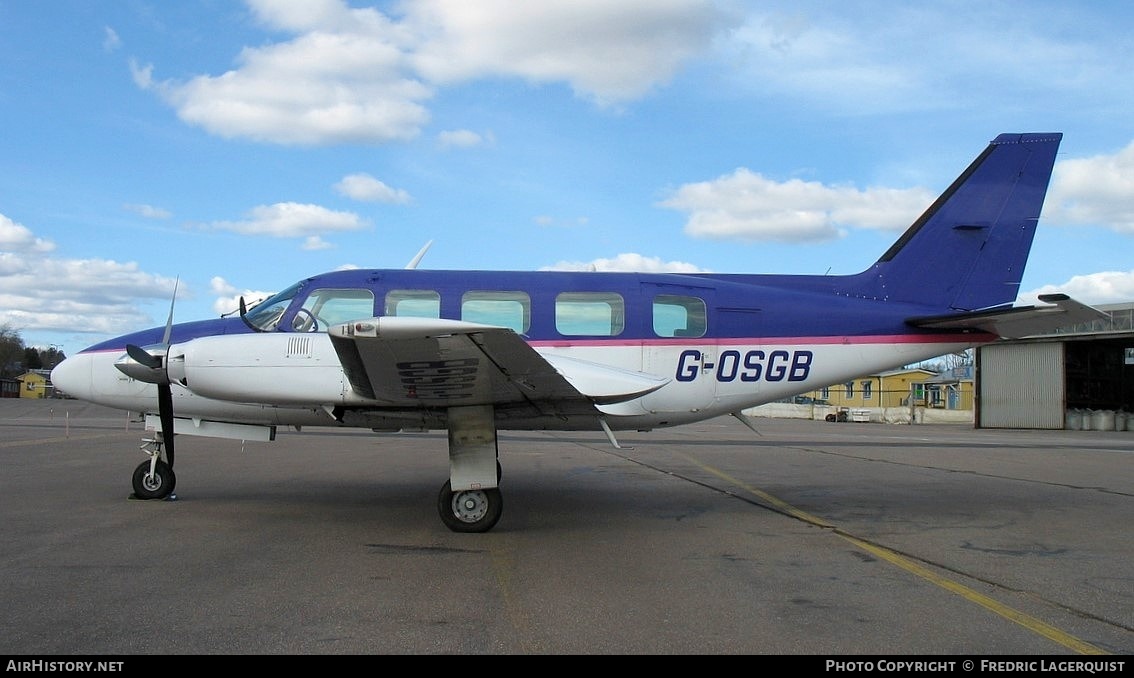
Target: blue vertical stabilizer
968,250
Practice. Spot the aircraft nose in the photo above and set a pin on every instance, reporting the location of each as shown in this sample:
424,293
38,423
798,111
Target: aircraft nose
73,376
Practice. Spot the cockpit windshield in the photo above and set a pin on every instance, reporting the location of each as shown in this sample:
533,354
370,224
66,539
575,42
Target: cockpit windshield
321,308
265,316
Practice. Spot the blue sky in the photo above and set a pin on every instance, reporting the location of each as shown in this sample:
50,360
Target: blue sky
240,146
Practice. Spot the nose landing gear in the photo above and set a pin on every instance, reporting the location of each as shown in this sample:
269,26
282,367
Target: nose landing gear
154,478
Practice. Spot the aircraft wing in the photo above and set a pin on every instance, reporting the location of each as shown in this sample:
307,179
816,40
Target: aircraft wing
1024,321
430,362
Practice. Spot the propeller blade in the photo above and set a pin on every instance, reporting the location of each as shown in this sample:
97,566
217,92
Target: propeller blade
169,320
165,413
143,357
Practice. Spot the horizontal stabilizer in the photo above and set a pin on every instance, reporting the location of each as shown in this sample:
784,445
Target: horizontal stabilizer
1014,323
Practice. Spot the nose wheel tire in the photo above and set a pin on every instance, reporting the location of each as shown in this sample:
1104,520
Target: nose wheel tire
156,485
469,510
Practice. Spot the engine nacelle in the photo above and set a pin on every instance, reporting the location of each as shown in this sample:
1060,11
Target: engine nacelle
269,369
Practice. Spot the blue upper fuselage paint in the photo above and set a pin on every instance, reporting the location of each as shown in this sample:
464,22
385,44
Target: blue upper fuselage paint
760,307
965,253
180,332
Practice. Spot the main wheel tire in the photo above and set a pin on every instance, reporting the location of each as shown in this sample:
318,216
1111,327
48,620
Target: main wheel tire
469,510
158,485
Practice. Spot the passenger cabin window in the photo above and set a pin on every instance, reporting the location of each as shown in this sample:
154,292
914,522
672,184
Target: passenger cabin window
590,313
327,307
413,303
504,309
679,316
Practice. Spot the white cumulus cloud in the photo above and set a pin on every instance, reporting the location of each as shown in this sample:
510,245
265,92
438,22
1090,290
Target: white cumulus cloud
18,238
1105,287
148,211
610,52
364,187
745,205
39,292
292,220
337,74
1094,191
627,262
228,296
463,138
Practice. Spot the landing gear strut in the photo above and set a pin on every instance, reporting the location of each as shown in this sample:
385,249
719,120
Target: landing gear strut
474,470
154,478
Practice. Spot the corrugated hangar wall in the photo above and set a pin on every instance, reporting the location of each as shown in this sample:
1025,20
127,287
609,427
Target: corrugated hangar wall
1021,386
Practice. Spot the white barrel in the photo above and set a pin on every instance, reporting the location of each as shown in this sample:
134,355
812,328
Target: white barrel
1073,420
1103,420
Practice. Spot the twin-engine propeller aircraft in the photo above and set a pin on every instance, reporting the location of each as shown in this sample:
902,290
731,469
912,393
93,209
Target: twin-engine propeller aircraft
475,352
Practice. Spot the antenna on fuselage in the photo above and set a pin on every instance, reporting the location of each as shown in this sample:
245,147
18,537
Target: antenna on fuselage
421,253
747,421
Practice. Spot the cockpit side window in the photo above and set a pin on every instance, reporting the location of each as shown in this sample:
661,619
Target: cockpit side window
326,307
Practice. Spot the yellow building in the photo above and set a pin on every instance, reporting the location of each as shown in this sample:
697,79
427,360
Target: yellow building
35,384
950,390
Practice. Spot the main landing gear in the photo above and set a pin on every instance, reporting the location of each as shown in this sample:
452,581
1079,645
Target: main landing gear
469,510
474,470
154,478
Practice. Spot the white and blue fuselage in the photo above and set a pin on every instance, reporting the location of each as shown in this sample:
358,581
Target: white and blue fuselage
750,349
479,351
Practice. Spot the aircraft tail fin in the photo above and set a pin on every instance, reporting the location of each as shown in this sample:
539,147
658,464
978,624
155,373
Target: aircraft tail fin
968,250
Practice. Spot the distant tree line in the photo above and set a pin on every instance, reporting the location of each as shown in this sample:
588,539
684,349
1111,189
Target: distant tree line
16,359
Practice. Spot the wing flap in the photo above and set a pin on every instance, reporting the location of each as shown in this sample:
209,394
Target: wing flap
1015,323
